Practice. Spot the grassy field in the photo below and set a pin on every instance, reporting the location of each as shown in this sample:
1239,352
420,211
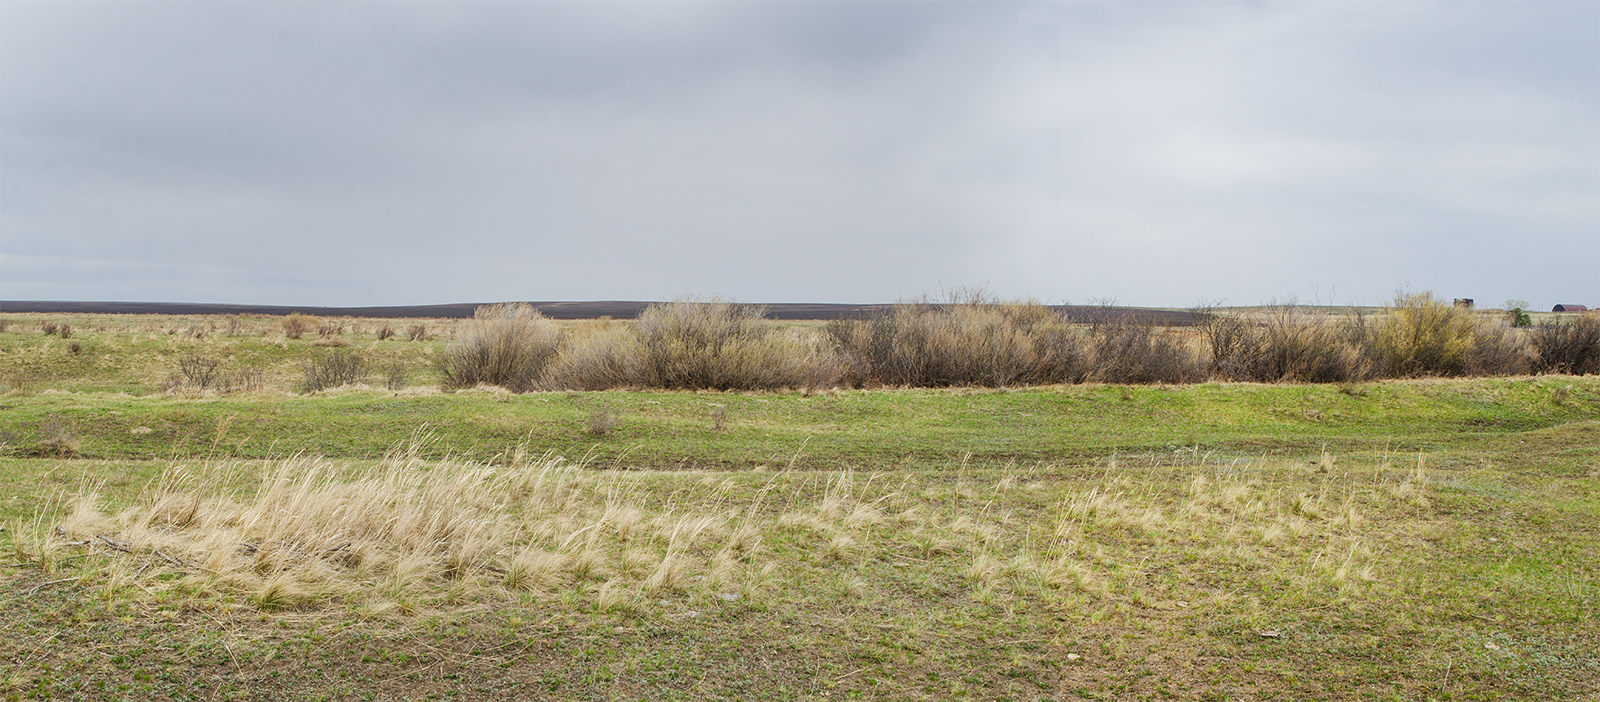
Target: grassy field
1406,540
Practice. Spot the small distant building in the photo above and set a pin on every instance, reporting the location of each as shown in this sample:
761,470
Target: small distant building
1570,308
1464,302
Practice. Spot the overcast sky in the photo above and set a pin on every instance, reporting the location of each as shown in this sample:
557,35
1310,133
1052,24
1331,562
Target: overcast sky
1157,153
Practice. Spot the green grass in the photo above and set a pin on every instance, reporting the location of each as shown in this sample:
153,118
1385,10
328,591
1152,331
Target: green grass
830,429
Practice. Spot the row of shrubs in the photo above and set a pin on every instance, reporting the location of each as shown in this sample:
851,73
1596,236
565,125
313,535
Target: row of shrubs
725,346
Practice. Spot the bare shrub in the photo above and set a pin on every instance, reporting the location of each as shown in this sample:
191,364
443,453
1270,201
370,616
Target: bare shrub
1233,342
1132,349
329,330
506,345
1567,347
612,357
49,328
332,370
234,326
64,331
385,332
199,371
971,341
690,344
1301,345
74,348
1292,344
395,376
417,332
726,346
1498,348
1419,335
296,325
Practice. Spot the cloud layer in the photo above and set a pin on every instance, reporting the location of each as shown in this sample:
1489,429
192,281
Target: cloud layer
1156,153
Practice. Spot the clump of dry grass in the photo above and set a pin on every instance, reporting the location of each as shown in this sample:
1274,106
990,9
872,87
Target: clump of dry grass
296,325
506,345
399,537
409,536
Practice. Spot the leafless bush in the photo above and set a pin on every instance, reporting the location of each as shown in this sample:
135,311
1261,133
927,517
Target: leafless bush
74,348
612,357
972,341
1292,344
49,328
689,344
199,371
395,376
506,345
332,370
296,325
1300,345
385,332
417,332
1132,349
1567,347
64,331
1233,342
234,326
329,330
1498,348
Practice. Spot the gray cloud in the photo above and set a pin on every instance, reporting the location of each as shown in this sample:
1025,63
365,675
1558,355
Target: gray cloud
398,153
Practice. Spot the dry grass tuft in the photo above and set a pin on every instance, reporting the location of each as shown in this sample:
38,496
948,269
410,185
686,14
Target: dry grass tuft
296,325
